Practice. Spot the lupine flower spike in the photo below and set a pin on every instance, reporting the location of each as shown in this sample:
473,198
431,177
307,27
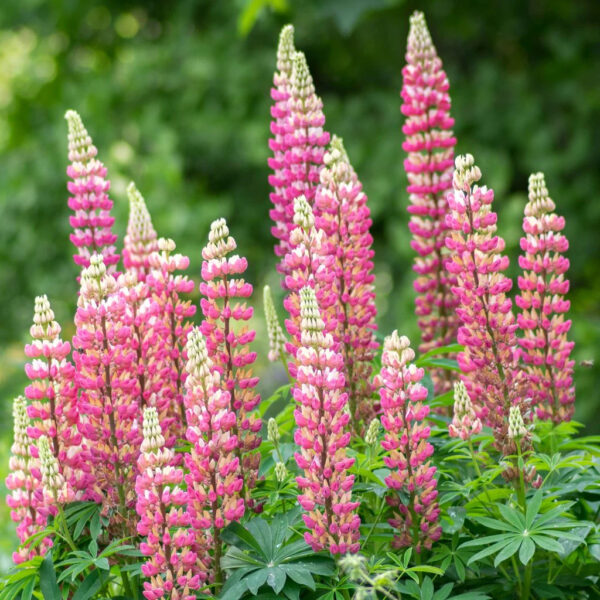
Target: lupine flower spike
173,567
274,330
403,418
430,145
140,241
345,219
465,422
543,284
228,339
214,481
25,495
109,392
54,486
323,437
92,222
487,323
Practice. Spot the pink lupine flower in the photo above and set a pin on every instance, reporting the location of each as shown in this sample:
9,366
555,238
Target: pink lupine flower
323,436
488,326
92,222
404,417
25,494
345,219
302,146
465,422
228,339
279,143
214,480
53,397
544,345
173,311
140,241
430,145
175,565
109,394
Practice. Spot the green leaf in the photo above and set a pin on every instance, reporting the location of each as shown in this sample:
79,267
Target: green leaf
513,517
234,592
237,535
547,543
48,583
527,550
533,508
91,584
427,589
489,550
236,558
256,580
263,535
301,576
276,579
508,551
496,524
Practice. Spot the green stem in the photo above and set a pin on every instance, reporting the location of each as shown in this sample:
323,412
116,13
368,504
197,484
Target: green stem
65,528
523,501
126,584
377,518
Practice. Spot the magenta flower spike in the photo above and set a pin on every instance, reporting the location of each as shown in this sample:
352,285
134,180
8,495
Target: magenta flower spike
92,222
404,417
53,397
140,241
346,220
488,326
214,481
429,145
24,498
172,324
228,339
109,402
175,557
323,436
545,349
303,148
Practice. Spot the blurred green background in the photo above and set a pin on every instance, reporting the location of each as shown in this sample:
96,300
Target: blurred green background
176,97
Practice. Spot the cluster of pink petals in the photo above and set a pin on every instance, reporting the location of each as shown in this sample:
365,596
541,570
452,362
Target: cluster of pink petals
228,339
173,326
214,480
430,145
92,222
53,397
173,550
140,241
407,448
299,140
108,402
345,220
25,498
323,436
545,349
488,326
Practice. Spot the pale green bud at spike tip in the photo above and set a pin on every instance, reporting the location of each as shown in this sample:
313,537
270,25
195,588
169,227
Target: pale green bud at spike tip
303,214
81,147
337,151
153,438
280,472
286,50
310,315
540,202
20,423
273,431
466,172
44,326
301,79
516,426
420,43
372,434
274,330
140,223
199,363
51,477
220,242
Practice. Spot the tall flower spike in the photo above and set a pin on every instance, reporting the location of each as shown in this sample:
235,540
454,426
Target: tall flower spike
228,338
487,323
109,394
543,284
465,422
303,149
140,241
403,418
214,482
25,496
53,396
92,222
323,436
274,331
55,489
173,566
429,144
345,219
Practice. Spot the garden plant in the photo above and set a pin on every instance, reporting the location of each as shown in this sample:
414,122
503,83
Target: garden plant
145,464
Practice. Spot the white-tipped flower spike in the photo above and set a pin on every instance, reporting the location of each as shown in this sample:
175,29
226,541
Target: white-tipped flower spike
372,434
52,480
516,426
220,242
303,214
280,472
199,363
274,330
140,240
153,438
465,422
44,326
273,434
311,323
286,50
95,282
